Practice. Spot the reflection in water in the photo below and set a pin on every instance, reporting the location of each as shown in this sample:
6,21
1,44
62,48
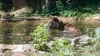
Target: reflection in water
17,32
6,30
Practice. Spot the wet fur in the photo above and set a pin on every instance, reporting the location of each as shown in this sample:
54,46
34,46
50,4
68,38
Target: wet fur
61,24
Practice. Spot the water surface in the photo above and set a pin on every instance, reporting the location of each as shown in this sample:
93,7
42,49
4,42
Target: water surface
17,32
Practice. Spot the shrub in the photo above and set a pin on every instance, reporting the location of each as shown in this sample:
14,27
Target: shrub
39,35
42,47
62,47
40,38
90,32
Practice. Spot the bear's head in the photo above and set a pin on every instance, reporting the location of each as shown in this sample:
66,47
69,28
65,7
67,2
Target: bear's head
53,23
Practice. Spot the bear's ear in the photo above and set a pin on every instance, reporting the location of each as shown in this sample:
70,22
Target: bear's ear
55,19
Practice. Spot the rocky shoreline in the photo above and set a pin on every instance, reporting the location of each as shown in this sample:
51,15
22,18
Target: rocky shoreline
24,49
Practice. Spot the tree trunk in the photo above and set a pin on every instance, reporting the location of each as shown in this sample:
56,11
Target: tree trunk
37,5
49,4
46,5
18,4
52,4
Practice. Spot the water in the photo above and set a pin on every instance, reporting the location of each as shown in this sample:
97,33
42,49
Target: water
17,32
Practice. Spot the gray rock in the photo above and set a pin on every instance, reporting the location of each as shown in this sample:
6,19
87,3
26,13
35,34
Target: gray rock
50,44
16,48
96,17
80,39
19,48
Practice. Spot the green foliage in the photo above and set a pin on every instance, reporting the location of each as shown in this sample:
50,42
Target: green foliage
13,9
59,4
71,13
90,32
40,38
93,32
77,11
62,47
96,47
42,47
60,43
66,50
97,31
89,41
25,14
7,15
39,35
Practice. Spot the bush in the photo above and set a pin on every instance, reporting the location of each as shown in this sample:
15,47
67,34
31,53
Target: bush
62,47
40,38
39,35
42,47
90,32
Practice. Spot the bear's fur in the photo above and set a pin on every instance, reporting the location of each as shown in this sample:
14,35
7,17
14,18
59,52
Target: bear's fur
61,24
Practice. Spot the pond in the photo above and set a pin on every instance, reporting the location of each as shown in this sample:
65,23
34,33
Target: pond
17,32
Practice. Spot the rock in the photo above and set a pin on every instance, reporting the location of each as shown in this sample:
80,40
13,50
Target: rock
26,47
96,17
50,44
41,52
80,39
18,54
98,36
87,19
18,49
4,48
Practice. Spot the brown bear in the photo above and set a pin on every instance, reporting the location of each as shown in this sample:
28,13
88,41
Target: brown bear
61,24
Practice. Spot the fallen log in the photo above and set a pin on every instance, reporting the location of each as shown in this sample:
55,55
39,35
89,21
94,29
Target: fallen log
19,19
